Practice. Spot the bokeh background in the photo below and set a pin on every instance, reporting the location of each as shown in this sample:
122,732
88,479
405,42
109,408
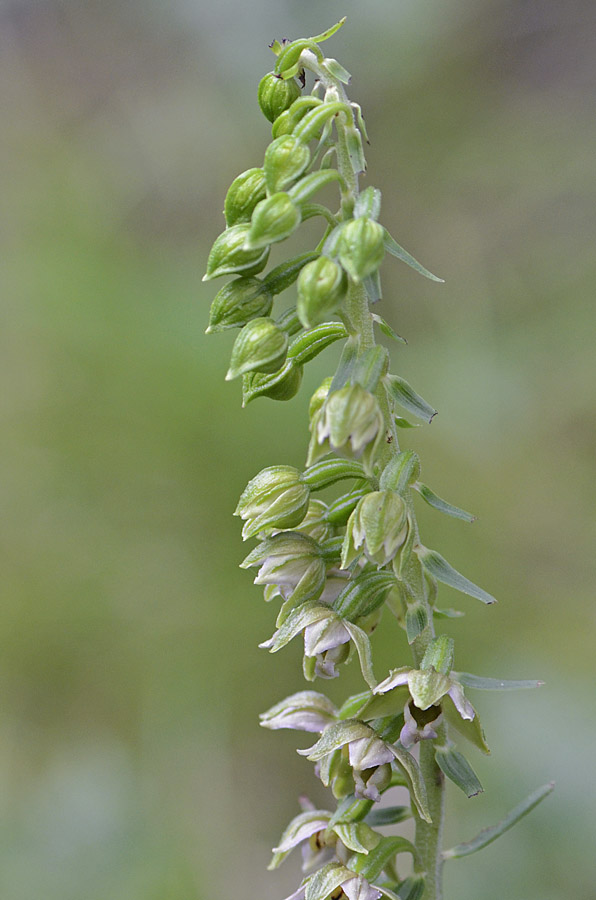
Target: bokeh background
131,763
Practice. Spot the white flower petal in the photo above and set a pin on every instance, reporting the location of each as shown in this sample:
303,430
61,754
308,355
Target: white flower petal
461,703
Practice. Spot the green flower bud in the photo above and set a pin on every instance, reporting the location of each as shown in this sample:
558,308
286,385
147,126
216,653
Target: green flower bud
322,285
243,195
351,420
275,498
239,302
286,158
319,397
361,248
288,120
273,219
282,385
378,526
228,256
260,347
276,94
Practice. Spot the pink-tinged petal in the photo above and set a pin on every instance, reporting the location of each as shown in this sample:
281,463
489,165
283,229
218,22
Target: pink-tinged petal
397,678
302,834
461,703
324,635
359,889
301,720
366,752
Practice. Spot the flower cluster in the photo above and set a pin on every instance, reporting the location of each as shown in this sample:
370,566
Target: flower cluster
336,564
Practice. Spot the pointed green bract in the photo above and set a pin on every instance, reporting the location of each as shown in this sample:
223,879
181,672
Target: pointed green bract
392,247
456,767
441,505
401,392
440,569
488,835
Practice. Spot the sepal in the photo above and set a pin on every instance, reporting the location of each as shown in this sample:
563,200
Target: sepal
276,497
261,346
238,303
368,203
360,247
282,385
357,837
470,729
299,830
322,285
276,94
378,527
304,711
228,255
401,472
286,158
350,420
274,219
246,190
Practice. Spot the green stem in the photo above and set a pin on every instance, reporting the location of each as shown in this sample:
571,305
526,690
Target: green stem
428,835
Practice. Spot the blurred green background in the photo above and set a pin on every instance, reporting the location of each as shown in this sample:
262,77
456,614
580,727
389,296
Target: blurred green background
131,763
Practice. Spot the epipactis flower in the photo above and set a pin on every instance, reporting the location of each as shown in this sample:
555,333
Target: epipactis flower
304,711
350,421
292,562
428,685
326,882
378,526
275,498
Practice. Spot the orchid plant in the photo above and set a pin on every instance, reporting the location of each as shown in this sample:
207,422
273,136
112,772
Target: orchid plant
335,566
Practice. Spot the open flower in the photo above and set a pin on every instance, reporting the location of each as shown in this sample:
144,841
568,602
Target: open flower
335,880
304,711
327,640
292,562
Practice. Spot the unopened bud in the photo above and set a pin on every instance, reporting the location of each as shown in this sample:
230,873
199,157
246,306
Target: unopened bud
274,219
260,347
239,302
322,285
276,94
243,195
378,526
361,248
275,498
228,255
352,420
282,385
286,158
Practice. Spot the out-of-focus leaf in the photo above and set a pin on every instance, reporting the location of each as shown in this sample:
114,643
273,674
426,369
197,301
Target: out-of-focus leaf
488,835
